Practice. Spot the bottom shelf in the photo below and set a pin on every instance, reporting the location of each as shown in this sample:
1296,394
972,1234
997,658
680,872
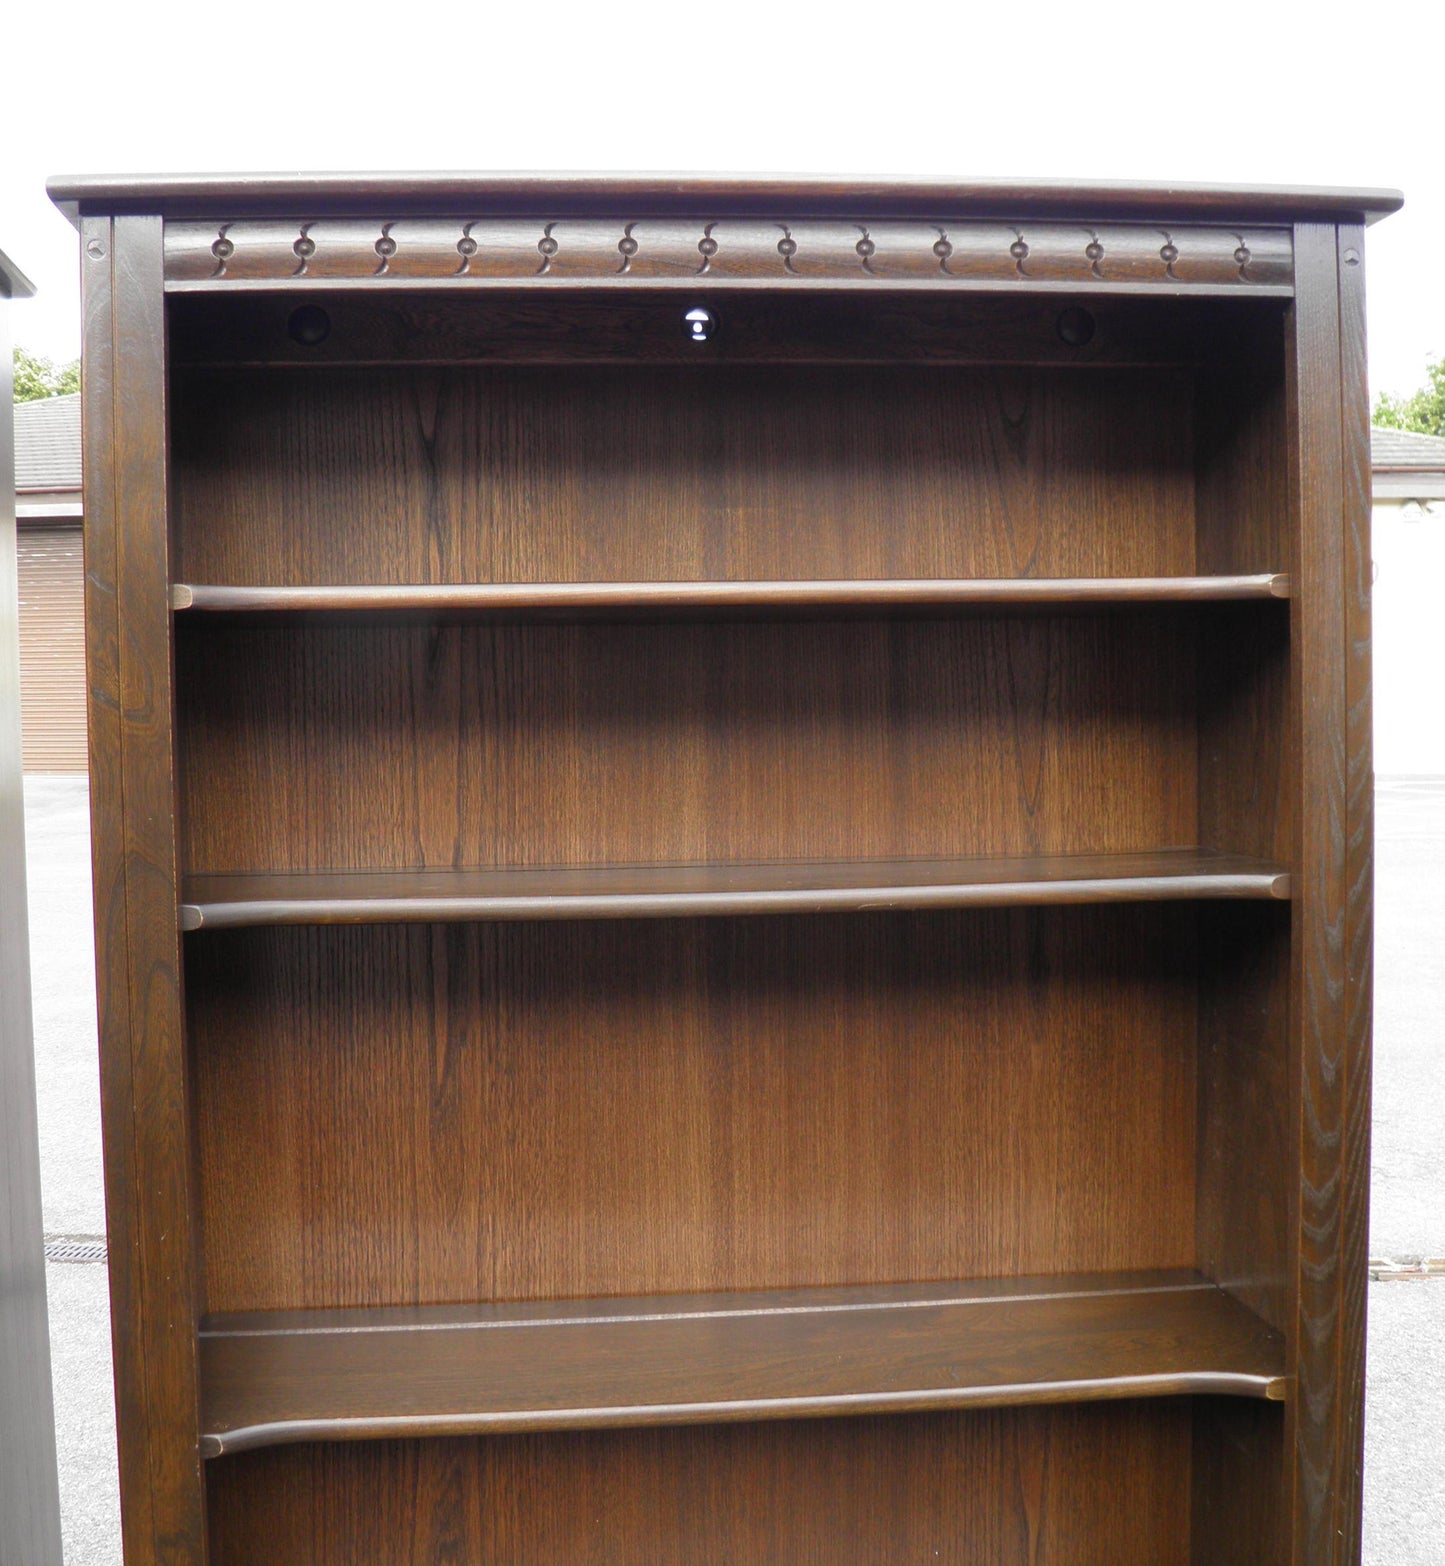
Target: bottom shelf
274,1377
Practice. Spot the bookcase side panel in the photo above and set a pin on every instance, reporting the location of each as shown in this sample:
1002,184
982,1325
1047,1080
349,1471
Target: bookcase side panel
153,1274
1359,882
1329,1039
1247,789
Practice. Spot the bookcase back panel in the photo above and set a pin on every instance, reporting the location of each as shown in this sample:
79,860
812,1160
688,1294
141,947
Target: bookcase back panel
1093,1486
712,472
315,748
429,1114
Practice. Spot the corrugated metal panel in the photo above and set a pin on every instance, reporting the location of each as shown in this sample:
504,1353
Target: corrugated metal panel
52,648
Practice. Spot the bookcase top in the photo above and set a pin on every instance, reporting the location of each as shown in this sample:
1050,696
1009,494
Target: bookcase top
572,194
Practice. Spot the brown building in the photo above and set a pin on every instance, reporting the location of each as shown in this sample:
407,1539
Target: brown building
52,584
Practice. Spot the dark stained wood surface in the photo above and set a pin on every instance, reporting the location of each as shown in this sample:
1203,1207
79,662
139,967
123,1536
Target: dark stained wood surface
723,253
667,473
1319,1002
406,747
699,1359
568,599
216,194
1247,798
574,326
460,1116
1088,1484
663,891
1247,801
1359,936
150,1211
29,1496
579,1109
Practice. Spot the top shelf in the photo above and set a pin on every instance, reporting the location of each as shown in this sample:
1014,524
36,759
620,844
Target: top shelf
857,597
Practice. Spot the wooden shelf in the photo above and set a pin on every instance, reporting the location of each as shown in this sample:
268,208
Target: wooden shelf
643,599
213,902
694,1359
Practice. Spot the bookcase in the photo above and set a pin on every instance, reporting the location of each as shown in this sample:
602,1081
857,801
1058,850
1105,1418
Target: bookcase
732,851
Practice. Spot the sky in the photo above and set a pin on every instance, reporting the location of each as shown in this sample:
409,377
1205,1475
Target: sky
1269,93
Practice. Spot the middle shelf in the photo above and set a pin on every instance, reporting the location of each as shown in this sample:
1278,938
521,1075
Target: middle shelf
646,599
274,1377
689,890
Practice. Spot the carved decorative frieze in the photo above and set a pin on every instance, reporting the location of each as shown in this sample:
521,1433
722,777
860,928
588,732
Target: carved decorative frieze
731,252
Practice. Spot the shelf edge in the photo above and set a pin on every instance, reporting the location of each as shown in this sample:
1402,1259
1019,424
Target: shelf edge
1266,885
861,593
1106,1389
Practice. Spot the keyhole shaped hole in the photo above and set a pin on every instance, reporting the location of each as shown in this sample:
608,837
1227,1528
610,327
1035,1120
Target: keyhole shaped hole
699,324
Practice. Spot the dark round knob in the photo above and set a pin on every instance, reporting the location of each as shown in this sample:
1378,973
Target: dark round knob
309,325
1075,326
699,324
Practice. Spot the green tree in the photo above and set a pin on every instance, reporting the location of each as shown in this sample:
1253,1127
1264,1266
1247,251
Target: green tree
38,377
1422,411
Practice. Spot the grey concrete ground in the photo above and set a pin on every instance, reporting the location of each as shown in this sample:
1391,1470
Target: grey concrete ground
1405,1425
84,1413
1407,1207
1405,1418
62,980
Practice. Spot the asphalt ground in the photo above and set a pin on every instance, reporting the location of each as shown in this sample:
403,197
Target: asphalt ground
1405,1414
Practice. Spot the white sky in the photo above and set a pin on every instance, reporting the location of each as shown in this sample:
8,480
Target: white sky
1268,93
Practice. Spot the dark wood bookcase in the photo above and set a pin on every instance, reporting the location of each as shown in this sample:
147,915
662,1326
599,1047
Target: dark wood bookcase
732,851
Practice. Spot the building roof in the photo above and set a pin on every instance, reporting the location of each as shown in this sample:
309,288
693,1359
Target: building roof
47,444
1397,451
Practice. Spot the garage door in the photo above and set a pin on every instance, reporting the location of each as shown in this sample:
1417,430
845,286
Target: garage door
52,648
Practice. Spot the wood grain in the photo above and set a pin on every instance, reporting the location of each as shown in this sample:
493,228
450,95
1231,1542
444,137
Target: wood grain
515,594
724,251
412,747
569,600
1248,763
726,473
671,891
1358,574
571,325
176,195
29,1496
1247,794
1092,1485
691,1105
689,1359
1318,999
145,1102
